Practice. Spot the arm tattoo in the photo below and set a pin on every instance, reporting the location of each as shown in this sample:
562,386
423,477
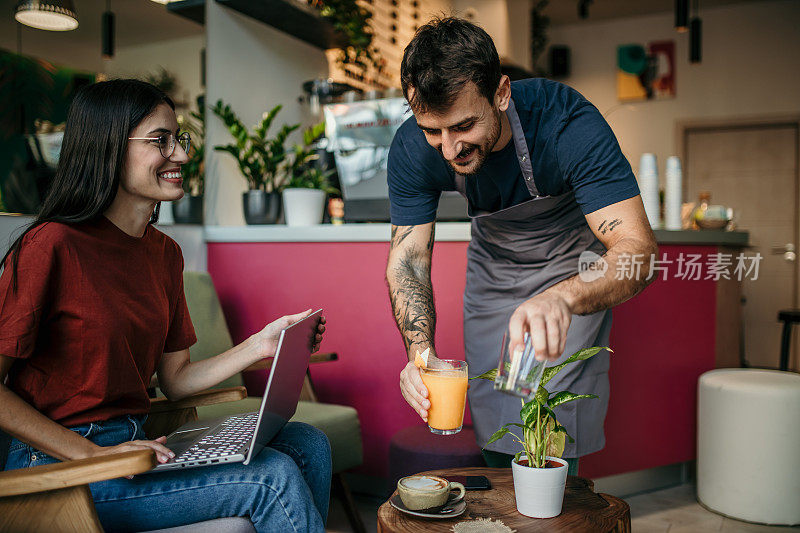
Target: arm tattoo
398,236
607,226
411,292
412,302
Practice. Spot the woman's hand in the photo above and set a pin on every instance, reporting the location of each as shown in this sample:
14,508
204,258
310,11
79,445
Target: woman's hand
163,454
266,340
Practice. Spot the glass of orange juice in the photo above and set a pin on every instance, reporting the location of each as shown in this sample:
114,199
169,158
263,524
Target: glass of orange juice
447,392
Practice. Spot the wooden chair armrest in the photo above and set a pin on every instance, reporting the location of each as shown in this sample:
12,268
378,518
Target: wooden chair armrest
265,364
207,397
74,473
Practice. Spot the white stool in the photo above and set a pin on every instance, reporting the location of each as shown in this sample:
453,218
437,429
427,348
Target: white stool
748,444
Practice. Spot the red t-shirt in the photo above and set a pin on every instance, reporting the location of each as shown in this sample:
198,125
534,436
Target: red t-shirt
93,312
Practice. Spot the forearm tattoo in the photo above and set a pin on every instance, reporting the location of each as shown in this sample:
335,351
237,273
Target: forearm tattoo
411,294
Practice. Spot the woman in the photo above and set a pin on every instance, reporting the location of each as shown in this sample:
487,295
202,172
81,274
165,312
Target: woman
92,304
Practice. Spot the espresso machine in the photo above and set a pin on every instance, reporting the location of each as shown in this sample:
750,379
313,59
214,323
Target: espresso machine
359,134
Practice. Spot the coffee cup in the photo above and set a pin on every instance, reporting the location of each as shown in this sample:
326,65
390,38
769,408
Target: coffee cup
424,492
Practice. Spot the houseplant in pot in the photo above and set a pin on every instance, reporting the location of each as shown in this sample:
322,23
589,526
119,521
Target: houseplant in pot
304,192
260,159
189,209
539,473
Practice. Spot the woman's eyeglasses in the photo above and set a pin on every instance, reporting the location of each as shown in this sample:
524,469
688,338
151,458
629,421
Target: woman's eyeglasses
167,141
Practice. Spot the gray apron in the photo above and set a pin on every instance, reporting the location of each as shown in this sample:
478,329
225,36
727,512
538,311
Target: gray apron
514,254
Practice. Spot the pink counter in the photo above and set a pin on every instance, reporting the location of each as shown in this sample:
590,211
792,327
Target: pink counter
662,340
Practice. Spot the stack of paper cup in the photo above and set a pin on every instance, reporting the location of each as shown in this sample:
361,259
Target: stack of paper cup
648,184
673,198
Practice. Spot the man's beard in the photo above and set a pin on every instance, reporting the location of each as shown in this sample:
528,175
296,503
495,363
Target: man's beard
482,151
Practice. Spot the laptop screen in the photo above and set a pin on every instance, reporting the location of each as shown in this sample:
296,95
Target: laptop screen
285,380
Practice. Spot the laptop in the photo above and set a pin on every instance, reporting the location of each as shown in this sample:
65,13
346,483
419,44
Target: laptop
239,438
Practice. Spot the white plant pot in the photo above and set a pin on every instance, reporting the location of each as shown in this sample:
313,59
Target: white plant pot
540,491
303,207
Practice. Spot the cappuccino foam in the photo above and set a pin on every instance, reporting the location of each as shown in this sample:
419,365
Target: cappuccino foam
422,483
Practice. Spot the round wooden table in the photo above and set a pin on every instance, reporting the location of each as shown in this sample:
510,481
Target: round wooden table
583,510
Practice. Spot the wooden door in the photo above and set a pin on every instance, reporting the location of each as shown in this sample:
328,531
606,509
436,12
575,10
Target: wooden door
753,167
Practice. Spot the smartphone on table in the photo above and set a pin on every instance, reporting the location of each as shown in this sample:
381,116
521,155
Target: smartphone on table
472,482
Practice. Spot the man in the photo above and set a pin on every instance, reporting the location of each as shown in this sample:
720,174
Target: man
546,182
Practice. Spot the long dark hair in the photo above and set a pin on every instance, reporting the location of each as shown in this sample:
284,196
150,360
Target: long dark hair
442,57
99,122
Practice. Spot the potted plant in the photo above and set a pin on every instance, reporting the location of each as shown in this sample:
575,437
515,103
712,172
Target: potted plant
260,159
304,192
189,209
539,473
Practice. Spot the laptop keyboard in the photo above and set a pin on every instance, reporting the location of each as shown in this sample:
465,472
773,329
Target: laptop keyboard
229,438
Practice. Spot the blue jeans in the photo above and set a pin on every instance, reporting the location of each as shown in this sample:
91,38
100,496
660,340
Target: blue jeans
285,488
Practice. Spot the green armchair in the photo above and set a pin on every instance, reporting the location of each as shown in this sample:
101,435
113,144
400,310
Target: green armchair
340,423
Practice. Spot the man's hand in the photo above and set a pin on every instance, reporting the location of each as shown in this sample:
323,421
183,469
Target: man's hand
546,317
414,391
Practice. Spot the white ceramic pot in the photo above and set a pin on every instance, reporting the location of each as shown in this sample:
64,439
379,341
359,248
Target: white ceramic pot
540,491
303,207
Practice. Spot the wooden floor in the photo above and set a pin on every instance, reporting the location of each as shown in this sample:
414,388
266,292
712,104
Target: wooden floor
673,510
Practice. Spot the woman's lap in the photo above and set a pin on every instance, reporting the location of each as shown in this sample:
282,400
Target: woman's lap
284,488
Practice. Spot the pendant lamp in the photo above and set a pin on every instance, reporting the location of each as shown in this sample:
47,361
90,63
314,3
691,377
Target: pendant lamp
696,40
696,36
52,15
682,15
107,32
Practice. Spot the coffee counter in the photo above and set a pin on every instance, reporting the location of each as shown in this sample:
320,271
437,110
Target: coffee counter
662,340
445,232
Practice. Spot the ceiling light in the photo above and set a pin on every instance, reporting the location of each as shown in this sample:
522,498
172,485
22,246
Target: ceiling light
682,15
107,34
695,40
53,15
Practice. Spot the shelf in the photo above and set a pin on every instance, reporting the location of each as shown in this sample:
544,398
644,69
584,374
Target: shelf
294,17
194,10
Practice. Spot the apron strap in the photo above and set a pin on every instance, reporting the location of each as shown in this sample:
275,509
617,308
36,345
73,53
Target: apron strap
521,146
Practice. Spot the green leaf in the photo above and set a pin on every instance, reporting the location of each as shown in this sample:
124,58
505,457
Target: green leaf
527,412
549,411
489,374
580,355
499,434
541,395
564,397
556,442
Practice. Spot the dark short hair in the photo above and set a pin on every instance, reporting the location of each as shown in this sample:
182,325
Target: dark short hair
443,56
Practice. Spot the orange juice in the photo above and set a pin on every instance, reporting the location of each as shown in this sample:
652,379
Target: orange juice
447,392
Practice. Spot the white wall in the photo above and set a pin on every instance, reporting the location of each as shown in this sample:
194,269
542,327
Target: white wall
59,48
492,16
181,57
749,67
252,67
507,22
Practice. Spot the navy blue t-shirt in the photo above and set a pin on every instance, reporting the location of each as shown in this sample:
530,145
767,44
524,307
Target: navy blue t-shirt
572,148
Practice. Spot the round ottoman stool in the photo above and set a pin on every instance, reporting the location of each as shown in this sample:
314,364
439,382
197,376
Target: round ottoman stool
748,444
415,449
